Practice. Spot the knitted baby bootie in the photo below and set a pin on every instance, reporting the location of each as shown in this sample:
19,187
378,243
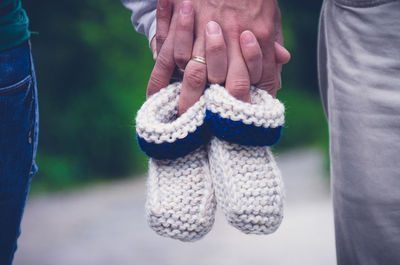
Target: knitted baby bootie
247,181
180,197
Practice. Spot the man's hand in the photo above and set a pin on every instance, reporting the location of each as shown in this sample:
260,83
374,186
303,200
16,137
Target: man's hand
262,17
179,36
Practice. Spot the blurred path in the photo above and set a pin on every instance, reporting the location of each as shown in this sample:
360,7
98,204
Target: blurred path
105,225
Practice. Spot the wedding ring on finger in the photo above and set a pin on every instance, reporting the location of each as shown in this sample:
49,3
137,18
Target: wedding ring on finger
199,59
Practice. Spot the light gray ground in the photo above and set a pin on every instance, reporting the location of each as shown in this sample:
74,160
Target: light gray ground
105,225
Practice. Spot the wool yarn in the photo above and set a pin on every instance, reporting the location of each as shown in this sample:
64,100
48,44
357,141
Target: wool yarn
248,186
161,134
180,201
215,152
258,123
247,182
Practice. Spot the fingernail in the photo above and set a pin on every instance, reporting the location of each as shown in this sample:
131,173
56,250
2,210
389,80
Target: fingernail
186,8
248,38
213,29
163,4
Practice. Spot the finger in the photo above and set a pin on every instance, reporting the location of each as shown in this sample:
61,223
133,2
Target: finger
193,84
216,56
269,80
184,34
164,11
195,76
163,69
252,55
282,55
153,47
165,64
237,79
278,24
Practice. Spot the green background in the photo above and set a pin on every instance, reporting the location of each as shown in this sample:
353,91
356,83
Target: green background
92,70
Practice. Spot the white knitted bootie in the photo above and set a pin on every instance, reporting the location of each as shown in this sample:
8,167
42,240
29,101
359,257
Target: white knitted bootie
247,181
180,197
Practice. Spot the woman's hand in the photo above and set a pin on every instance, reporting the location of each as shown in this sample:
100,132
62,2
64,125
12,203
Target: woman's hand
282,56
175,40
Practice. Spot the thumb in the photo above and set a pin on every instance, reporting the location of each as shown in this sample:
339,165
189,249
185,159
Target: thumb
282,55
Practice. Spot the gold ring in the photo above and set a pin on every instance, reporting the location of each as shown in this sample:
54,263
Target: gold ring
199,59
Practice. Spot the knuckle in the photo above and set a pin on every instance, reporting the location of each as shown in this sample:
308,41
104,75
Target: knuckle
266,34
255,77
240,85
216,79
185,26
160,38
181,59
155,84
215,48
195,77
267,84
162,15
239,88
180,62
163,63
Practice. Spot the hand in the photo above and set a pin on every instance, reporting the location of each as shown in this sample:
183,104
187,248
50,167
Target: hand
181,28
260,16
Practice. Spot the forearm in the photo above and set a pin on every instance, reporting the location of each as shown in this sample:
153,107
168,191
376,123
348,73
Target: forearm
143,16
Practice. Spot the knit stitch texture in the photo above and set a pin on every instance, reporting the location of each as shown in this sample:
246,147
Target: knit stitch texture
248,186
247,181
180,200
238,165
258,123
163,135
180,197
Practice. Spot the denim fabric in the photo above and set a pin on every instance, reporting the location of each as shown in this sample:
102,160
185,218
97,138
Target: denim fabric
18,142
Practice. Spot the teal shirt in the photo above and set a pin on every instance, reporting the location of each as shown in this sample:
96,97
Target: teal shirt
13,24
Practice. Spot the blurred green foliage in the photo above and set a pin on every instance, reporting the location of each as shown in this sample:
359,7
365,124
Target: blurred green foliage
92,70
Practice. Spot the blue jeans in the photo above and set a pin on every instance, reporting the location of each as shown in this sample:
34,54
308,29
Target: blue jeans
18,142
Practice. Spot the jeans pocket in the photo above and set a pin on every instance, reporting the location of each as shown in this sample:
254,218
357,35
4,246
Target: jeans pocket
17,116
362,3
15,88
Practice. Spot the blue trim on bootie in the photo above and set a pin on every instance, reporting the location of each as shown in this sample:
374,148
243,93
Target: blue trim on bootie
240,133
179,148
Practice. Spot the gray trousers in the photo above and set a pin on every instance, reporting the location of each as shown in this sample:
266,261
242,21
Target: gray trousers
359,71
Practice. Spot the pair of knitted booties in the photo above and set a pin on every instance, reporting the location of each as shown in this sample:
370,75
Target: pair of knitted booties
215,152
